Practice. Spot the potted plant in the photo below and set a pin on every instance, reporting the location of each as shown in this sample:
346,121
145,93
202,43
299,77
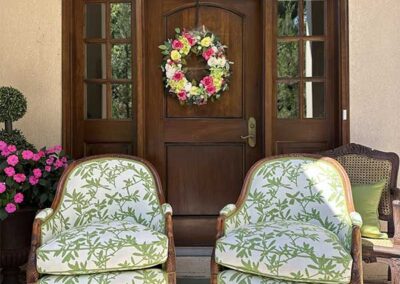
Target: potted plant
28,180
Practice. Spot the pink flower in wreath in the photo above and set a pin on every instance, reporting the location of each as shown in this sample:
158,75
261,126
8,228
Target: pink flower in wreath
12,148
33,180
2,187
3,145
10,171
207,81
10,208
176,44
47,169
19,178
178,76
208,53
37,173
182,96
211,89
18,198
13,160
27,154
190,38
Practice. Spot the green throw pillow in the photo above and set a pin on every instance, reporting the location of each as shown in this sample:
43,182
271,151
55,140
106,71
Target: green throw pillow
366,199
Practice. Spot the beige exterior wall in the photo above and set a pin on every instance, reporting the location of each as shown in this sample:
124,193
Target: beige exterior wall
30,60
30,56
375,73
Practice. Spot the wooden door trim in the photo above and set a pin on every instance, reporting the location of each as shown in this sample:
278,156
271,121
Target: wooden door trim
68,130
67,74
344,72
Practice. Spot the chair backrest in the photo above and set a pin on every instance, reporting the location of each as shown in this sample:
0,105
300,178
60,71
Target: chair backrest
305,188
103,188
365,166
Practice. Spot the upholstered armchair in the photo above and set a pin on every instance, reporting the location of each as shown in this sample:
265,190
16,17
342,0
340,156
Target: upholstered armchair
365,166
109,223
293,222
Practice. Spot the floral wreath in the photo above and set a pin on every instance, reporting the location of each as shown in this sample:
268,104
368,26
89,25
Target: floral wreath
201,43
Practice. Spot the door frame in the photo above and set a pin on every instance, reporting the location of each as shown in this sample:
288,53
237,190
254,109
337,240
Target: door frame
68,76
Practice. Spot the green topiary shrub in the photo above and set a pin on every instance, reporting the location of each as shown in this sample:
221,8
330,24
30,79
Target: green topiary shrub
16,138
13,106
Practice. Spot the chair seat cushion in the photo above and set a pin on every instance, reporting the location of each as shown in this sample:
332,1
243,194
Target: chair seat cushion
237,277
126,277
100,247
286,250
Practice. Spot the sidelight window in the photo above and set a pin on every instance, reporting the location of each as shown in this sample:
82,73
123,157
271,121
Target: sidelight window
108,76
300,58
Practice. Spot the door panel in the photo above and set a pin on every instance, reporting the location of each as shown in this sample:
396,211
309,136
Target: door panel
197,149
189,191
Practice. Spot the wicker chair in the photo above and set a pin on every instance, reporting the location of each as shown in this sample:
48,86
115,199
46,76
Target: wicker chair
365,165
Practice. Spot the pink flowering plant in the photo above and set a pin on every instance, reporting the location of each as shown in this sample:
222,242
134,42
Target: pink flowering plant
29,178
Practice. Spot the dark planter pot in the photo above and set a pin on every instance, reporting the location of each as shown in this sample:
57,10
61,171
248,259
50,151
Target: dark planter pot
15,242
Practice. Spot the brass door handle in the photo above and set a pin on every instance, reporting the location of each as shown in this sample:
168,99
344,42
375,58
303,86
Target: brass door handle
247,137
251,137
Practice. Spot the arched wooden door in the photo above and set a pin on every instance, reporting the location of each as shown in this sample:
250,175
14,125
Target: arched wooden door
198,150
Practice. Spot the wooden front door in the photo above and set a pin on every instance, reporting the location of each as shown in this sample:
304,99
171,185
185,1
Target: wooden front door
198,150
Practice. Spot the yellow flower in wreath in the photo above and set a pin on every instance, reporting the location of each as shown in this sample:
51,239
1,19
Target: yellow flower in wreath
195,90
206,42
175,55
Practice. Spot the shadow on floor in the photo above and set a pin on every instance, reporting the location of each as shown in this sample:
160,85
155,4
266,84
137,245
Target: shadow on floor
192,281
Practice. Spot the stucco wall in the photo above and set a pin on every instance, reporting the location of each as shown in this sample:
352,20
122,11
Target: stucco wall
30,60
375,73
30,57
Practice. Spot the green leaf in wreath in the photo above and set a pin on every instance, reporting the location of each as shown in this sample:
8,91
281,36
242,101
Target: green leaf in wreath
162,47
178,30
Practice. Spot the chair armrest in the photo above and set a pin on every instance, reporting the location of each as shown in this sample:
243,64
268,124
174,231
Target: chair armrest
170,265
166,208
44,214
228,210
356,219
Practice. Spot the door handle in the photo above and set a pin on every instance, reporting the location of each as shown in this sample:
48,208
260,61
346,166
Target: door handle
251,137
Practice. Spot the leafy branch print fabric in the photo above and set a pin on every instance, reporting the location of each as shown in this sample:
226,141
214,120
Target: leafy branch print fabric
106,189
298,189
107,246
237,277
287,250
148,276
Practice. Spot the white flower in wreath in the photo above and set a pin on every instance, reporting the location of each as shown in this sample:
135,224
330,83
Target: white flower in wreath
212,62
188,87
170,71
221,61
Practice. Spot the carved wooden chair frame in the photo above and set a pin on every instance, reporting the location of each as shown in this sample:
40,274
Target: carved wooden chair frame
32,275
390,256
357,272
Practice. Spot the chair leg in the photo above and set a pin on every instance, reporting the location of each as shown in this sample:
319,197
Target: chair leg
171,278
214,279
394,266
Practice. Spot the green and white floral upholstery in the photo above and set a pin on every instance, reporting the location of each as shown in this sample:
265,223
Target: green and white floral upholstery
109,219
106,246
293,225
147,276
237,277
